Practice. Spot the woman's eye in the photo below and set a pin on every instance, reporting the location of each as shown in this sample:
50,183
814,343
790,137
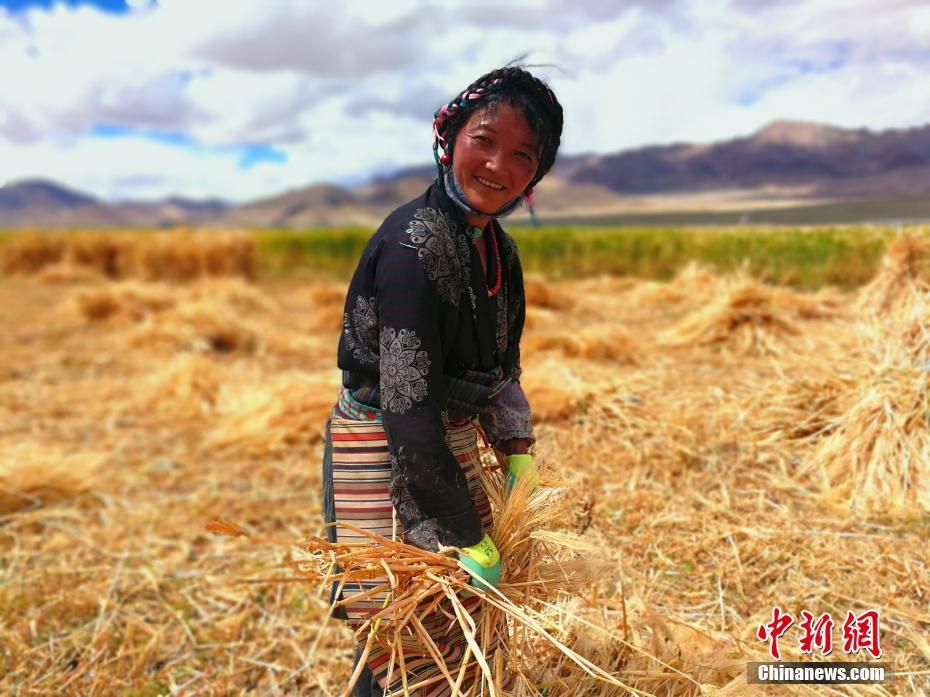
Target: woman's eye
482,139
525,156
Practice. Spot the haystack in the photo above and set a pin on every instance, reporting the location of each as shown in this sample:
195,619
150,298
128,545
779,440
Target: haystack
276,414
200,325
187,387
555,391
328,300
64,272
695,282
29,252
34,475
130,300
903,276
541,292
746,320
877,456
596,343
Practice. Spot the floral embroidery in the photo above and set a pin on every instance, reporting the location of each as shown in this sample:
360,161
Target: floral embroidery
361,329
403,370
433,233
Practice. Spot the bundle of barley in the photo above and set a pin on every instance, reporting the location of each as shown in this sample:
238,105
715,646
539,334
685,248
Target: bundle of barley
128,299
200,325
540,292
185,255
67,272
328,300
904,275
30,252
679,660
746,320
596,343
877,457
695,282
555,391
33,475
825,303
187,387
276,414
111,255
233,292
539,566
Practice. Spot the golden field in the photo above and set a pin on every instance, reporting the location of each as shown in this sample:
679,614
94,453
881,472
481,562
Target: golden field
728,445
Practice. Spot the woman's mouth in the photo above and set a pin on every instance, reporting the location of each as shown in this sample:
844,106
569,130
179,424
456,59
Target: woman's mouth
489,184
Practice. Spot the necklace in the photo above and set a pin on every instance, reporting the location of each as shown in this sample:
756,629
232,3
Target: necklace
475,235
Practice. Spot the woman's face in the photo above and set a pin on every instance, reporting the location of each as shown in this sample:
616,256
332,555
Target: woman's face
494,158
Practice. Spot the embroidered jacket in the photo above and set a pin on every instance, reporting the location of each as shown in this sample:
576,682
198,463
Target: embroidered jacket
418,315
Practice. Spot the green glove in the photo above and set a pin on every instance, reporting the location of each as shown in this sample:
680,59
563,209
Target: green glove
484,560
521,466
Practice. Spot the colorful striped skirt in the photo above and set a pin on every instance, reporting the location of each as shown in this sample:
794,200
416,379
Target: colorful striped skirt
356,481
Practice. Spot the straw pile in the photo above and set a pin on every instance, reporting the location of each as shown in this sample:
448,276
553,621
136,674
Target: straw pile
32,476
904,275
747,319
597,343
275,414
174,256
690,471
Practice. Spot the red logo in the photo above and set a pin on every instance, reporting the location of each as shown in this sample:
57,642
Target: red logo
859,632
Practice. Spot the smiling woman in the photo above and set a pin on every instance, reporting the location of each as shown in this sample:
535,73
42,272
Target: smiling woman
430,354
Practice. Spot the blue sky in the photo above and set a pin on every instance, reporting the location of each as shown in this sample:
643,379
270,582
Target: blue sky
243,99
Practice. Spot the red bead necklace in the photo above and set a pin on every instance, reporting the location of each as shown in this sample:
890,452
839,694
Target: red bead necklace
475,234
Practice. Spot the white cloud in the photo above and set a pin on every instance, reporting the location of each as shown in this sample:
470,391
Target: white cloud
348,89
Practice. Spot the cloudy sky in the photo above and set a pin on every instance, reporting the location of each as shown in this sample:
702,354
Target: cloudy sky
134,99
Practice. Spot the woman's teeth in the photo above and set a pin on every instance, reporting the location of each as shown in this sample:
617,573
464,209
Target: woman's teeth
489,184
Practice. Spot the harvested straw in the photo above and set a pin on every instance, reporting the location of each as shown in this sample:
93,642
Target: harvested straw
597,343
29,252
32,476
188,386
553,388
538,566
200,325
746,320
129,299
63,272
877,457
328,301
542,293
904,274
186,256
275,414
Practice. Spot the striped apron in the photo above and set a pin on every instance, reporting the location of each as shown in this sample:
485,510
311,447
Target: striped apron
356,482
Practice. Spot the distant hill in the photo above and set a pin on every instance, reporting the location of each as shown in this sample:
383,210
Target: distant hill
788,165
43,203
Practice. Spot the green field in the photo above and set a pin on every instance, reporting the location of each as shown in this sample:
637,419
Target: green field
803,257
807,257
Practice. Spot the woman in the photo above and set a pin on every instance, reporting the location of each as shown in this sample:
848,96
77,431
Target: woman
430,345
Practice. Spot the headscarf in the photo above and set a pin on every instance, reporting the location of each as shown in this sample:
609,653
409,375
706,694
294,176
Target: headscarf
510,85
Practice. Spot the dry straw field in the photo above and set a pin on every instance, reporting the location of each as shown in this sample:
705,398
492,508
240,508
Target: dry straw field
719,447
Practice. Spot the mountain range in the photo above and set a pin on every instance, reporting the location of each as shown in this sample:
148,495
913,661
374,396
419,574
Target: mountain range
786,166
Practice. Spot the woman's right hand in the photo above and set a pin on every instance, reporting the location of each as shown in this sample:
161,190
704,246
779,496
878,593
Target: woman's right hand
484,561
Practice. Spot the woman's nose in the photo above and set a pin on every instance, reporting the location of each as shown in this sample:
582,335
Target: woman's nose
494,161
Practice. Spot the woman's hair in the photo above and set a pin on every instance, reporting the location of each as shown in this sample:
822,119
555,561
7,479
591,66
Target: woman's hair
512,86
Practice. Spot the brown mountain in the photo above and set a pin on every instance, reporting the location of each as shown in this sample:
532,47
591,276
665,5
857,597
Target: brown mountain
787,165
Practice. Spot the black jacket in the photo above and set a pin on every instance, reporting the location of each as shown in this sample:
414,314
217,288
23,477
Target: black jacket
417,313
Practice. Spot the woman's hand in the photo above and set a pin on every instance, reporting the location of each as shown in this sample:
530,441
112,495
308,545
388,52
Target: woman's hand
484,561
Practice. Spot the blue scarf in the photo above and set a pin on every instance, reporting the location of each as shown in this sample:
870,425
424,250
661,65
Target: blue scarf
455,192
